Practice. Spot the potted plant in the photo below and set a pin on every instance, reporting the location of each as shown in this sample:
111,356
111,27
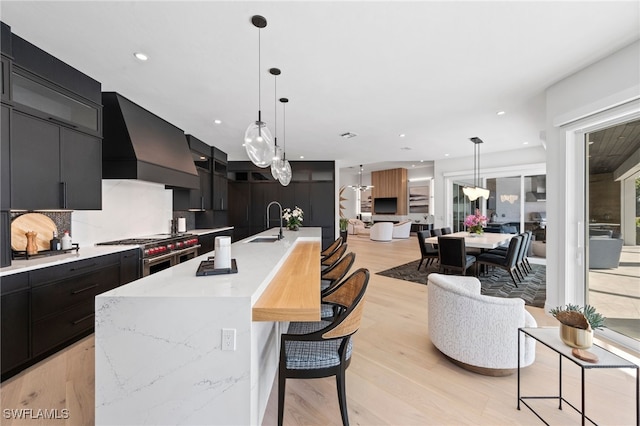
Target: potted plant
344,224
293,218
577,324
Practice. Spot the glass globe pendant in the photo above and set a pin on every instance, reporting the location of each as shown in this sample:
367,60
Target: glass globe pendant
258,141
284,175
284,168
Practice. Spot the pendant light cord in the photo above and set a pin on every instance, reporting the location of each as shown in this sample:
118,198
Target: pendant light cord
284,131
259,87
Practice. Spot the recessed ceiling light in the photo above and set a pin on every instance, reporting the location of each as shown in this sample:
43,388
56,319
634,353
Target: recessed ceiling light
244,144
446,155
500,113
402,135
302,156
202,157
217,121
422,161
525,143
141,56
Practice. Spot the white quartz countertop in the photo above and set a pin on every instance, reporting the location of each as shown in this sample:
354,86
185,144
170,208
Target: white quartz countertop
257,265
208,230
23,265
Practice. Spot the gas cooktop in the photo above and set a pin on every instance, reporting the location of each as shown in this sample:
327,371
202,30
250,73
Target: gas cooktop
148,239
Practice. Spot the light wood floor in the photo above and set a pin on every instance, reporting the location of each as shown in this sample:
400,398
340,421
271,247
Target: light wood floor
396,376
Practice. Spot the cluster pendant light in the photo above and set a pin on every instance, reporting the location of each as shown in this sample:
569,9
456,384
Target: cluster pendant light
360,186
284,168
474,192
257,138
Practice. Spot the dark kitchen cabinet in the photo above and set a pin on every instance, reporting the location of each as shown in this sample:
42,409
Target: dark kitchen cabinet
220,192
220,182
53,167
63,297
15,324
207,241
252,189
5,239
130,266
46,309
5,91
198,199
239,209
5,158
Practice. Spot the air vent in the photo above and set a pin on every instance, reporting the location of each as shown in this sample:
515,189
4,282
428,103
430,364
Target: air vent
348,135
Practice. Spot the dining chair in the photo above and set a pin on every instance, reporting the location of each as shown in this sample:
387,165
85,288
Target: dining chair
312,350
333,274
427,251
330,260
453,255
507,262
446,230
331,279
332,247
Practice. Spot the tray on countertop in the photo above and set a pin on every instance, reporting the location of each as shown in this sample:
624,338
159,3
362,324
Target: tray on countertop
22,254
206,268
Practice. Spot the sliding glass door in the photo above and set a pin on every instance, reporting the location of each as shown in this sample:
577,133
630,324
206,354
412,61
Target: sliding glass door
612,226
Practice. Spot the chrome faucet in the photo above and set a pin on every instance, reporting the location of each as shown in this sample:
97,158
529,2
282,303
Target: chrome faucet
280,235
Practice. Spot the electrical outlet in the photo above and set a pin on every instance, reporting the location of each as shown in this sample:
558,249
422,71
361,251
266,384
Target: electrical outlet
228,339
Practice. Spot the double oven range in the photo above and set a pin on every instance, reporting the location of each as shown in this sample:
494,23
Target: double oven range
162,251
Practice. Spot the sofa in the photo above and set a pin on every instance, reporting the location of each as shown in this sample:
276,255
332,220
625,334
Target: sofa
477,332
402,229
357,227
604,252
381,231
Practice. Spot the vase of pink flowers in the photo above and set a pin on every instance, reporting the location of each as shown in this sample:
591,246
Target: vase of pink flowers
475,223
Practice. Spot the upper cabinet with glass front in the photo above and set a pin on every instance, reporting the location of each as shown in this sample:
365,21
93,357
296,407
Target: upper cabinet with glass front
44,86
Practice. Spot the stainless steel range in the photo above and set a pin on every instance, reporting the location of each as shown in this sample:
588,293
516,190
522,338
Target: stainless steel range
161,251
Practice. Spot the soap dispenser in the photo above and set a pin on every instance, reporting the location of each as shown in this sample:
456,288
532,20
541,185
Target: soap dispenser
66,241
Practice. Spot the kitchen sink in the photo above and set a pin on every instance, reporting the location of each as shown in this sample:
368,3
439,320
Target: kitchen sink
268,239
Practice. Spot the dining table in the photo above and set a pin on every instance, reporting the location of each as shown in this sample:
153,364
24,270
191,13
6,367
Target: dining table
485,241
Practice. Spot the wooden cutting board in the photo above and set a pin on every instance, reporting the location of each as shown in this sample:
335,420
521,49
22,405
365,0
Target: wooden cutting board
37,222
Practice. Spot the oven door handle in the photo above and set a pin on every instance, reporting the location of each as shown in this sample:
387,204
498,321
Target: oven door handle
184,250
156,258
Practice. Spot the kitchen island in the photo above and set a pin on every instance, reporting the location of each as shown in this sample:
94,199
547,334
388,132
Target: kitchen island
159,346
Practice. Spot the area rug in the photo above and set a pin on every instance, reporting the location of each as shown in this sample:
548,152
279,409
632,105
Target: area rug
496,283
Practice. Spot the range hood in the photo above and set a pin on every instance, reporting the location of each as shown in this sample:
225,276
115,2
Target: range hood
538,189
140,145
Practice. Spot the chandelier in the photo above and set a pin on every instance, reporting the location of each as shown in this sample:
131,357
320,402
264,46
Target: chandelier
360,186
474,192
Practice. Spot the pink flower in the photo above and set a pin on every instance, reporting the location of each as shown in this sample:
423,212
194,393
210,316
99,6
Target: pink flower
474,220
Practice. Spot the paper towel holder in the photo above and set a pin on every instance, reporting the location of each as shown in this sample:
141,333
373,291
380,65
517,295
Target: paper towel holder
206,268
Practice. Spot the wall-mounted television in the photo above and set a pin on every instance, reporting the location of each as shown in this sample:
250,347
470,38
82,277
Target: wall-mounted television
388,205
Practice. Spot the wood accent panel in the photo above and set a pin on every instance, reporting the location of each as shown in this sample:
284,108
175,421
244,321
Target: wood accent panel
391,183
294,293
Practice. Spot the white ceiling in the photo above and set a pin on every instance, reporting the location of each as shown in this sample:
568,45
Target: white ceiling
436,71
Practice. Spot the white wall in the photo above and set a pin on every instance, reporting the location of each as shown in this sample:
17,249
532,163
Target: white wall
129,208
600,95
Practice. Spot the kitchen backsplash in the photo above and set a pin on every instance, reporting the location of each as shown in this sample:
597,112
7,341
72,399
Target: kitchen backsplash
61,219
130,208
